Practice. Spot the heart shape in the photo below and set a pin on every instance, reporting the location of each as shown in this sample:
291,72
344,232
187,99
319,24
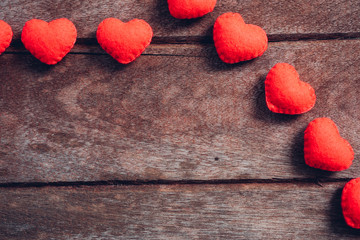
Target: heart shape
186,9
5,36
286,93
49,42
236,41
350,203
124,41
324,148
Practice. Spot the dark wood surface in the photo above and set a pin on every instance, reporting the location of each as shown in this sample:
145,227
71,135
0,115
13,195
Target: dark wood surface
279,18
176,145
175,114
230,211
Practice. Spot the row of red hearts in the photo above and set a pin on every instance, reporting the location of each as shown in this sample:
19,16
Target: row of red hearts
234,41
50,42
324,148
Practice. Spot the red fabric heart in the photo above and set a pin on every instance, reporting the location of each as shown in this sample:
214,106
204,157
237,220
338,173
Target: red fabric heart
5,36
350,203
324,148
186,9
236,41
285,93
49,42
124,41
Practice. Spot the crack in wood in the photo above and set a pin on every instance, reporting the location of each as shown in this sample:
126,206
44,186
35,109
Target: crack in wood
208,39
89,46
315,181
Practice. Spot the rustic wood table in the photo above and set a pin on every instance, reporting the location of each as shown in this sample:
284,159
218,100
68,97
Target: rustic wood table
176,145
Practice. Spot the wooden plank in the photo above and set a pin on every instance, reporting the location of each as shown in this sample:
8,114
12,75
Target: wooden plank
181,117
277,17
235,211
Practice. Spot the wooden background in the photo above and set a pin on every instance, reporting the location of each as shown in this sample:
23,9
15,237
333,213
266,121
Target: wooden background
176,145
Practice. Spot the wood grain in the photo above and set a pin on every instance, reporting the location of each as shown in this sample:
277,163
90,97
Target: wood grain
175,114
290,19
235,211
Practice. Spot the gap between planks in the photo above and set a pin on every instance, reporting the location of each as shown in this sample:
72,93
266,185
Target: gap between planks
271,38
82,43
208,39
317,181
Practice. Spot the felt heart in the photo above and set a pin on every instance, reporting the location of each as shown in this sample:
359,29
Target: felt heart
350,203
49,42
285,93
236,41
324,148
5,36
124,41
186,9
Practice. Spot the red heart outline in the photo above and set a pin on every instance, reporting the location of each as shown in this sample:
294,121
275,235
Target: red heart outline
236,41
6,35
324,148
187,9
51,41
124,41
286,93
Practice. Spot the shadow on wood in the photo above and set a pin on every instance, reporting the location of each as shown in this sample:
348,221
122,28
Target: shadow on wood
35,65
216,64
338,224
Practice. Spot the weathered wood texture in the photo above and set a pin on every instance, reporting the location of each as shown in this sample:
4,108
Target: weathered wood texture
176,113
235,211
181,117
309,17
